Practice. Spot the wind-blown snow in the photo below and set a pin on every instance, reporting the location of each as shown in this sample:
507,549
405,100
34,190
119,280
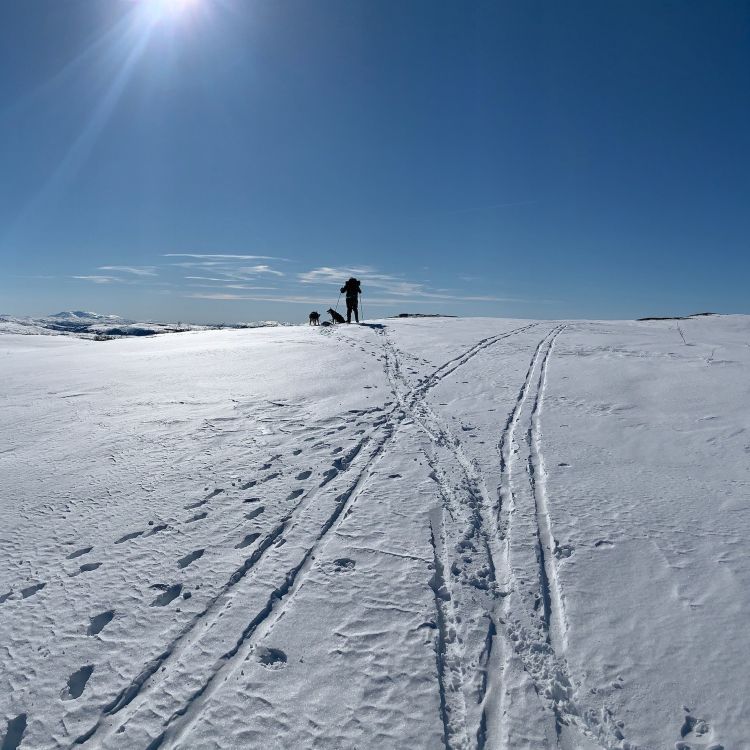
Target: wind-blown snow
416,534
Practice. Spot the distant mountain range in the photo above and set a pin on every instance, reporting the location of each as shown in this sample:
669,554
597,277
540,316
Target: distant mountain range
92,325
81,315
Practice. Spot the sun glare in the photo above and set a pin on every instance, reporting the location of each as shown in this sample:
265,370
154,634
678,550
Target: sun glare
157,10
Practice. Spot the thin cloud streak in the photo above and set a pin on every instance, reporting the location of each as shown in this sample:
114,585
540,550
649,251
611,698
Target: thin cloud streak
233,286
97,279
221,256
135,270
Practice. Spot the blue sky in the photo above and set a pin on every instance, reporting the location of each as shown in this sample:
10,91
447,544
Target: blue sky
228,160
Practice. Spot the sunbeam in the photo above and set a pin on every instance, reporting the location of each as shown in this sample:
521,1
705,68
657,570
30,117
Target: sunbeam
120,48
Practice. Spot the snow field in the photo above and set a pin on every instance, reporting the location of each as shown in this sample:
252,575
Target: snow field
420,533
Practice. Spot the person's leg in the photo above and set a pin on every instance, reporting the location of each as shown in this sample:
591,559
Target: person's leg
348,311
356,312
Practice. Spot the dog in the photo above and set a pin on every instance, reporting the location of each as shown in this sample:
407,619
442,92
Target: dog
336,317
314,318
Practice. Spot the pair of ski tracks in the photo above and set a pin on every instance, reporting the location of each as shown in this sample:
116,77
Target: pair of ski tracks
137,695
492,521
156,675
523,490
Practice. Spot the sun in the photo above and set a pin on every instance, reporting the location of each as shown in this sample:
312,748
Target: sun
158,10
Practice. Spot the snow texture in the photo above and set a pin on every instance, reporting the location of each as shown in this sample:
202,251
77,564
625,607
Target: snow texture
418,533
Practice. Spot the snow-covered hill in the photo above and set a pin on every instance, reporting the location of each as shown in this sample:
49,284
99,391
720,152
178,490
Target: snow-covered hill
420,533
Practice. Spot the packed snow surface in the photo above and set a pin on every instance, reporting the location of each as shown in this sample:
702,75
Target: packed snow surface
420,533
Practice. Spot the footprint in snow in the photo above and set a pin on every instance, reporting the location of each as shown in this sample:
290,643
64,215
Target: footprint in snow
564,550
197,517
157,529
604,543
344,564
271,658
14,733
76,683
183,562
303,475
297,452
99,622
79,553
294,494
696,733
5,597
31,590
254,513
128,537
196,504
247,541
85,569
167,596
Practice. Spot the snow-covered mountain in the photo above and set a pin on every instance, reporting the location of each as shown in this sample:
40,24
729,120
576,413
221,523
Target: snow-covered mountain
421,533
82,316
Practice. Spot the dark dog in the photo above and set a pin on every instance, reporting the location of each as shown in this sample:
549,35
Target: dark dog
314,318
335,316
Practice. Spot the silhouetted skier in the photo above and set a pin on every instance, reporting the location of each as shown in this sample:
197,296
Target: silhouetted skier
353,290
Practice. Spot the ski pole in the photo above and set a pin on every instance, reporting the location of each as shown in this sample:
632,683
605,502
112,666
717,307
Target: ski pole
337,303
361,306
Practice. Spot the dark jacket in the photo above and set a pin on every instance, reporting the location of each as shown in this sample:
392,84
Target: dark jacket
352,289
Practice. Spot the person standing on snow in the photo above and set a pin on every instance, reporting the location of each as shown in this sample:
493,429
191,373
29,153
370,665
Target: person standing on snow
353,290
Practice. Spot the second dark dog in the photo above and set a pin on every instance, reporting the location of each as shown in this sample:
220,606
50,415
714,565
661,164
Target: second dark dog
336,317
314,318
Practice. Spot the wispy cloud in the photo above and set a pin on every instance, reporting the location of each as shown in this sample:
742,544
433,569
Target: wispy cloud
205,278
230,277
233,286
199,264
135,270
329,275
241,273
254,271
97,279
394,285
221,256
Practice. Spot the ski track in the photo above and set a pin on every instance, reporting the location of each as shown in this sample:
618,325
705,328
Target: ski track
470,497
136,696
540,642
142,686
180,722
